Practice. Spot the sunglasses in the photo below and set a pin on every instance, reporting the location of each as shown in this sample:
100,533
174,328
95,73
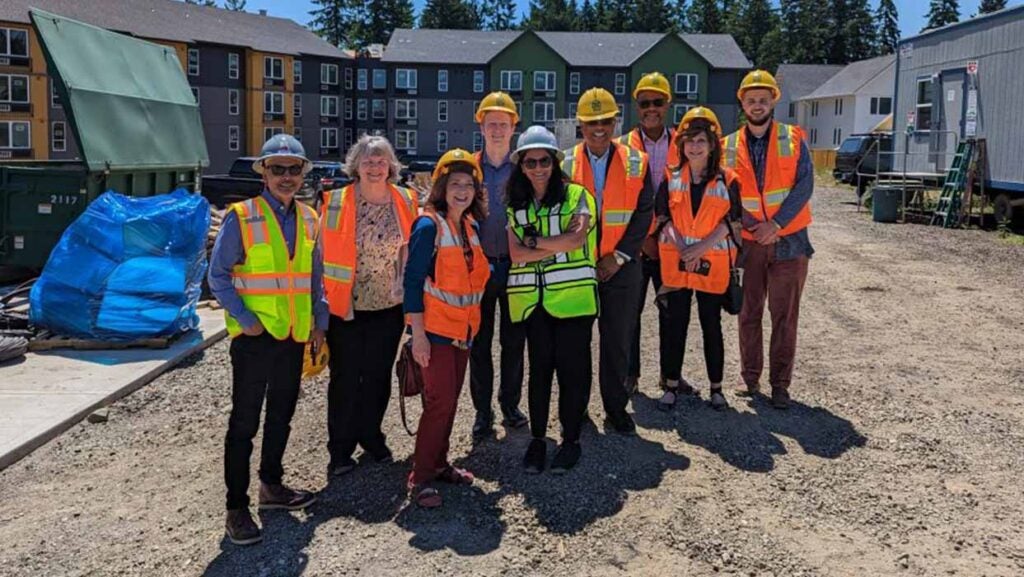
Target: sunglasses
645,104
602,122
532,163
278,170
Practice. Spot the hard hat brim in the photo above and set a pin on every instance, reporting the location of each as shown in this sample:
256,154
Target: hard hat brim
776,93
602,116
257,165
514,157
666,93
483,112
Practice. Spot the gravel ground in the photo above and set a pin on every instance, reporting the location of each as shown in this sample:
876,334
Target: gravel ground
901,455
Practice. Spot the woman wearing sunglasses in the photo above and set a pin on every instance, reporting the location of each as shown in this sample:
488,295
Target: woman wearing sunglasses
696,204
552,287
444,282
365,228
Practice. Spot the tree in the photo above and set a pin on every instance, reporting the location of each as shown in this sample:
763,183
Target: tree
989,6
450,14
859,32
942,12
774,49
586,18
551,15
650,16
236,5
334,20
749,22
354,24
207,3
705,17
801,19
887,26
499,14
679,21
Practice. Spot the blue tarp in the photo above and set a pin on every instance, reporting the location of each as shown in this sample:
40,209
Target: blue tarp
127,268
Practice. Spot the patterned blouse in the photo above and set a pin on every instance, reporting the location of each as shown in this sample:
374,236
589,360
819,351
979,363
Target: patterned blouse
378,240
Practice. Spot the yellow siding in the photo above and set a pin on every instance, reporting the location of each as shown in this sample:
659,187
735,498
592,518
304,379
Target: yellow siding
254,123
38,95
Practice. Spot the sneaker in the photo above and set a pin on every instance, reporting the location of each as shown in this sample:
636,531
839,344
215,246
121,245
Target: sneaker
241,529
342,467
745,389
514,418
536,456
281,497
566,458
622,424
718,401
668,399
780,398
632,385
483,426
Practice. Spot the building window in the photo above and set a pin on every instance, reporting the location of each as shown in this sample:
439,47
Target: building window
54,99
15,134
13,88
543,81
543,111
361,109
329,74
233,138
478,141
328,138
361,79
329,106
837,136
234,101
442,80
792,109
442,140
686,83
273,68
814,136
620,83
442,111
58,137
273,103
233,65
574,83
195,93
270,131
348,137
512,80
14,42
572,110
881,105
405,139
297,105
678,110
838,107
297,133
193,62
405,79
348,109
405,109
814,108
297,72
348,79
380,79
478,81
923,106
379,108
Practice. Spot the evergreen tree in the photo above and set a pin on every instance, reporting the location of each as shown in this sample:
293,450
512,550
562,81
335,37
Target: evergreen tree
942,12
551,15
499,14
705,17
887,25
337,21
586,18
801,19
603,16
749,22
835,37
651,16
989,6
679,21
236,5
383,16
450,14
619,16
859,31
207,3
774,48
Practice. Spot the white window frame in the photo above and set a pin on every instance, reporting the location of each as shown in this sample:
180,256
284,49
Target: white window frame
379,105
348,138
326,101
270,131
545,107
193,65
411,78
686,83
296,71
328,74
5,50
919,105
442,85
10,131
270,98
876,104
409,137
572,109
411,109
53,136
442,140
362,76
678,110
234,65
362,109
10,88
509,78
234,137
478,141
297,133
327,133
348,108
479,77
838,107
54,98
297,105
574,83
382,75
620,83
348,78
814,108
236,108
442,111
269,62
550,80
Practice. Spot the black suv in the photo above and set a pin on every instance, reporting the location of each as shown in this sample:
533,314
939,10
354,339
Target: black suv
867,154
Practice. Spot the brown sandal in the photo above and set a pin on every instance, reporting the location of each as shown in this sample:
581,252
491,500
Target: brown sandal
455,476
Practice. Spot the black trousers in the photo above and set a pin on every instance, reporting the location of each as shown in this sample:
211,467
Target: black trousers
261,367
651,274
677,317
513,344
559,346
363,353
619,302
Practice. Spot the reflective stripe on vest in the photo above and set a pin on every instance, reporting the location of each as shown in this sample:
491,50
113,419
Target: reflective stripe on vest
452,295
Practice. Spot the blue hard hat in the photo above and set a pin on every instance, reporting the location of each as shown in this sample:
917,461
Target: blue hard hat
533,137
282,145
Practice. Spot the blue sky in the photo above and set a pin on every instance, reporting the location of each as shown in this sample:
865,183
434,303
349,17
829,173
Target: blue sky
912,12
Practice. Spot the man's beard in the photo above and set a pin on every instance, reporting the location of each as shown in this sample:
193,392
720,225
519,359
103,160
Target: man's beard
761,122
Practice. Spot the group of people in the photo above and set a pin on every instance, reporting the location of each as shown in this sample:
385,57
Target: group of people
547,241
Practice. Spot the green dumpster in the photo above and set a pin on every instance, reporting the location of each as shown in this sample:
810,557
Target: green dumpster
885,203
137,126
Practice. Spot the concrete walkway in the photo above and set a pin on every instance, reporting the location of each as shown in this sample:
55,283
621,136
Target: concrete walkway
46,393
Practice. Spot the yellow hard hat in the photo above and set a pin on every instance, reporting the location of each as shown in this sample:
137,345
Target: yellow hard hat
759,79
700,113
596,104
313,365
497,101
655,82
454,156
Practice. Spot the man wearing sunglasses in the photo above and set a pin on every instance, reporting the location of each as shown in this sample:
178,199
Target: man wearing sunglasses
266,270
617,176
653,95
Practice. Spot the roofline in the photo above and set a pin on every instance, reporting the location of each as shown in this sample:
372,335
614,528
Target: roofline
656,42
518,37
682,36
976,19
384,56
854,93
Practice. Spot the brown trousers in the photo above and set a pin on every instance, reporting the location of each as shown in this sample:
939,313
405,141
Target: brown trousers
782,283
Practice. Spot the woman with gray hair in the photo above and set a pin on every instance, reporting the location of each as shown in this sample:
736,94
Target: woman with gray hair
365,228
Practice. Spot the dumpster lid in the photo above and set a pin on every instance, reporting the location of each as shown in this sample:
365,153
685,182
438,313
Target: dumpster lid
127,100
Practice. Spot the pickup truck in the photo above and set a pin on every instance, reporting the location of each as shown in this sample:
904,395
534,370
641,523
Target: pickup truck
242,183
859,153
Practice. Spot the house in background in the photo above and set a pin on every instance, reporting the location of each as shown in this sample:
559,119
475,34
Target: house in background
797,81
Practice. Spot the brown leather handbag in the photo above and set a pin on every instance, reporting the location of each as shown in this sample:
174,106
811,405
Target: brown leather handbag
410,380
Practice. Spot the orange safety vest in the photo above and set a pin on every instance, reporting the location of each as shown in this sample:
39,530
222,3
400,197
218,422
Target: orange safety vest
452,295
685,229
779,174
635,139
339,234
622,187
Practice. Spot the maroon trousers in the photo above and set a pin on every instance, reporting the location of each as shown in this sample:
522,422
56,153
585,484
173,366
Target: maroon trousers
782,283
442,384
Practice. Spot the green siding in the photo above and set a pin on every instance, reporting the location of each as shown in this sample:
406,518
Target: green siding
672,56
528,54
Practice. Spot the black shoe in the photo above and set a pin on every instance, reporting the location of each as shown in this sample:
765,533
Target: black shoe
566,458
780,398
342,467
622,424
514,418
717,400
483,426
281,497
536,456
379,456
241,529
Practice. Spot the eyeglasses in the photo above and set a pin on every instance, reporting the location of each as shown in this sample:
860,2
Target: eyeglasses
532,163
645,104
602,122
278,170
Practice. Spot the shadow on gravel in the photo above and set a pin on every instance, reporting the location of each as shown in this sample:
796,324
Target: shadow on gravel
818,431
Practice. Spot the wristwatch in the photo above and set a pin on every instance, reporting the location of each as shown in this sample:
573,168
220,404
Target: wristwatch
619,259
530,241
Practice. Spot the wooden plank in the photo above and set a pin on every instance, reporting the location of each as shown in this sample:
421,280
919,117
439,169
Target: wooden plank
49,344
